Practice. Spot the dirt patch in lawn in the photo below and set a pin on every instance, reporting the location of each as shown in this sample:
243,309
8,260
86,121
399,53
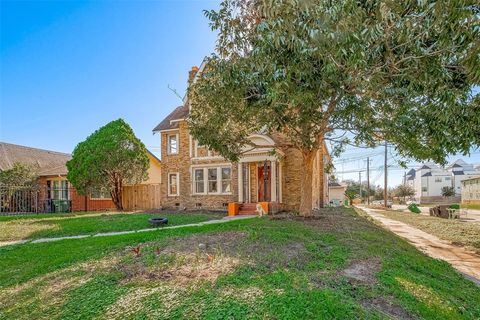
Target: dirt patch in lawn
362,271
386,306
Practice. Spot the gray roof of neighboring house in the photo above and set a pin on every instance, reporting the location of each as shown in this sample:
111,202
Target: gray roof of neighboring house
424,167
458,173
46,162
180,112
428,174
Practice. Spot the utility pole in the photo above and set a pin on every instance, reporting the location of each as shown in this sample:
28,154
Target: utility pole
368,180
386,175
360,183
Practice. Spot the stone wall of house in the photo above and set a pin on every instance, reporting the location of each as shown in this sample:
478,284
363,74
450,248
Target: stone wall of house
182,163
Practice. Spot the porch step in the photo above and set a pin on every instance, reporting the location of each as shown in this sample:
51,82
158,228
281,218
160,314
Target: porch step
247,208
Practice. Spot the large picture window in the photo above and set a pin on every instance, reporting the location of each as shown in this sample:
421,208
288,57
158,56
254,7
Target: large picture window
173,184
212,180
172,144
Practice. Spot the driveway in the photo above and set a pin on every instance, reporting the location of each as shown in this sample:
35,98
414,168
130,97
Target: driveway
465,261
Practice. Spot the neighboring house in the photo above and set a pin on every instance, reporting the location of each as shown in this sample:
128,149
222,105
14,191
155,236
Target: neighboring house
55,192
336,193
429,180
195,177
54,188
471,190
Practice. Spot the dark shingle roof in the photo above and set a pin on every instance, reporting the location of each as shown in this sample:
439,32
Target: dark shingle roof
428,174
180,112
425,167
458,173
45,162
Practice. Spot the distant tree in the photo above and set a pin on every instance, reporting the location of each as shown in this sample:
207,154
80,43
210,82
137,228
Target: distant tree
378,193
448,191
109,158
19,175
312,71
403,191
350,194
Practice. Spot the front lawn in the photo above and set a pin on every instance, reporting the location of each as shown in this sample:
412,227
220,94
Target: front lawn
339,266
33,227
457,231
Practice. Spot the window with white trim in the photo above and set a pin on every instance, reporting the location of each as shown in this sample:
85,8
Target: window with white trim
226,180
172,143
173,184
212,180
439,179
448,178
199,178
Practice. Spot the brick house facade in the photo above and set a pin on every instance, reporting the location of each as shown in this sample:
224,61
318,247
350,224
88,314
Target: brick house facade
194,177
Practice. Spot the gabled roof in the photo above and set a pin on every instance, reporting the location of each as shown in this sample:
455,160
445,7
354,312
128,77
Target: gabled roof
45,162
171,121
458,173
428,174
424,167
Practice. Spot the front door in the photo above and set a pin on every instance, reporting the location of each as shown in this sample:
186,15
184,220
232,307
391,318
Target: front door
264,183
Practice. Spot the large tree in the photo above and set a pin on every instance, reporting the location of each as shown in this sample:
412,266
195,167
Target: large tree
346,72
109,158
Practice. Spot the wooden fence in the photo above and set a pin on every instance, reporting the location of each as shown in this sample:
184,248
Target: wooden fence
141,197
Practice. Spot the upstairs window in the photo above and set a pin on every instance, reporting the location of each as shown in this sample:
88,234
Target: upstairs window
172,144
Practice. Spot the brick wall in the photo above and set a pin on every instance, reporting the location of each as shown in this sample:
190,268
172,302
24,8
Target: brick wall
79,202
182,163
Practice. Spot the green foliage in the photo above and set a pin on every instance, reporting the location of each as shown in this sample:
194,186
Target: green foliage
351,194
403,191
414,208
377,69
454,206
348,72
19,175
109,158
448,191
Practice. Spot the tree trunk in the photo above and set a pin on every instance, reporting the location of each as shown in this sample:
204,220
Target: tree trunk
117,193
321,173
306,183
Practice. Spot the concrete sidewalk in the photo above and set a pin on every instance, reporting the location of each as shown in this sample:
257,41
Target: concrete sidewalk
465,261
108,234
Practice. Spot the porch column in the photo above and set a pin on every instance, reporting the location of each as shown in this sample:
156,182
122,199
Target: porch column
240,182
273,180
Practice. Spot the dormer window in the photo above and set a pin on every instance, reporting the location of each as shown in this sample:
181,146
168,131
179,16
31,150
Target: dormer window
172,144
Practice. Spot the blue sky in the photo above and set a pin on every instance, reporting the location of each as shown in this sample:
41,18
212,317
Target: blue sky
69,67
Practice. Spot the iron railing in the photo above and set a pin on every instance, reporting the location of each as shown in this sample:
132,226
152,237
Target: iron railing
33,199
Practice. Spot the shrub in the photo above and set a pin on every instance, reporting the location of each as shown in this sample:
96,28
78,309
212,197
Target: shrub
413,208
454,206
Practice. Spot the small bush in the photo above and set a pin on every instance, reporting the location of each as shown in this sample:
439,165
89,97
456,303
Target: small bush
413,208
454,206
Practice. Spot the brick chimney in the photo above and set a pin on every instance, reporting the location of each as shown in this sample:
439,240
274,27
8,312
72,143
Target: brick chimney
192,73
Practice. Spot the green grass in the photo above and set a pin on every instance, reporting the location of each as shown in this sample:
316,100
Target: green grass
457,231
33,227
340,266
470,206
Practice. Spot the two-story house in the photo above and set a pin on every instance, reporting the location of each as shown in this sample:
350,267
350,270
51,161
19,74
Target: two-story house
429,180
194,177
